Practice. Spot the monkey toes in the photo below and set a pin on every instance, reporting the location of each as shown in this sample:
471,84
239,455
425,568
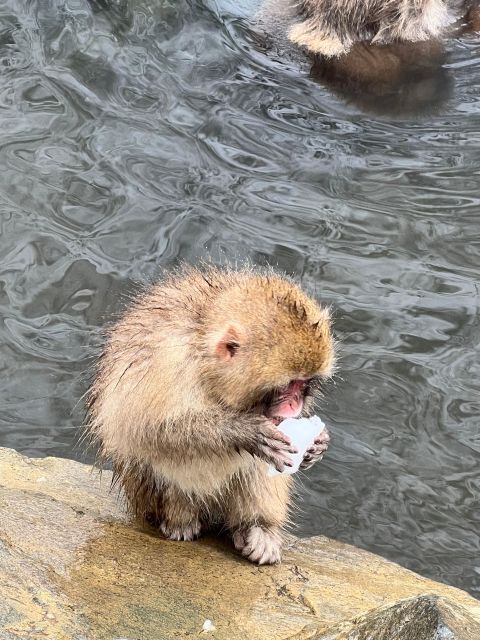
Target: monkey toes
259,545
316,451
185,532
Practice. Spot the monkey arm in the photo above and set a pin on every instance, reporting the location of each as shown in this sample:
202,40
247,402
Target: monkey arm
223,431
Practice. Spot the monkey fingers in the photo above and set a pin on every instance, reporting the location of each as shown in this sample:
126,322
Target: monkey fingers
316,451
275,447
259,545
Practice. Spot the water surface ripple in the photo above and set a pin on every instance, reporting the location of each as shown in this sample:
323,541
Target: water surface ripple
138,132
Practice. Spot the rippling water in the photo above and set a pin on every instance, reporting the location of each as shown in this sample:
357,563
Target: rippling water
135,133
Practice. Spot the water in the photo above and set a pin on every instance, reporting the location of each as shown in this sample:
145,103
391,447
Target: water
136,133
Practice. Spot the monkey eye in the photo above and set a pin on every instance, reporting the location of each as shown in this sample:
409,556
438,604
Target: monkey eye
232,348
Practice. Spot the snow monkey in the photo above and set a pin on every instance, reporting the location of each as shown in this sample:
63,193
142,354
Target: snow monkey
330,27
189,395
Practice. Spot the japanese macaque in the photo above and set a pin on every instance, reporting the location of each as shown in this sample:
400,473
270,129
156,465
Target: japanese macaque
331,27
189,397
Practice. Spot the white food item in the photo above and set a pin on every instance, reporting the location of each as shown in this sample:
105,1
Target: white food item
302,432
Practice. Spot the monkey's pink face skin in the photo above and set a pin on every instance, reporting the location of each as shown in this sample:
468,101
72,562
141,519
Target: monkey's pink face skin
287,402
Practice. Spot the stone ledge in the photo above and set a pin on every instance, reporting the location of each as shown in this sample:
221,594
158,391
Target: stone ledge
72,567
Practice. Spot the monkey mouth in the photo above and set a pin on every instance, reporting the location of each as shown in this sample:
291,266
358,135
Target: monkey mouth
287,402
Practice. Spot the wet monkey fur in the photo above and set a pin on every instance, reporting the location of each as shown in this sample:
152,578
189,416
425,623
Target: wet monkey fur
331,27
189,396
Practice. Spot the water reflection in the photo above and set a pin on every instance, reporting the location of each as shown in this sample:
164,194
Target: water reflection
395,79
138,133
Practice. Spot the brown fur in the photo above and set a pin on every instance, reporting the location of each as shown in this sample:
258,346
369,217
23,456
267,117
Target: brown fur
331,27
177,401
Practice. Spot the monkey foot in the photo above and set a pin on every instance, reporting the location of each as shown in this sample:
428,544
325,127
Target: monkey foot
186,532
259,545
316,451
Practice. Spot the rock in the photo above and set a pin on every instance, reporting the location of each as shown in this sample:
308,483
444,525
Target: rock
73,567
427,617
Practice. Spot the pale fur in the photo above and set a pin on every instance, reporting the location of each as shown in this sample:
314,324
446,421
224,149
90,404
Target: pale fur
188,449
331,27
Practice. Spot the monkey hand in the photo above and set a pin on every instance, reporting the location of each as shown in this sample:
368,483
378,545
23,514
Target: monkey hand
316,451
274,447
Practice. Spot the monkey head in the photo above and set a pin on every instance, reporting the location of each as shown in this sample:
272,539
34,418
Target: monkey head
265,346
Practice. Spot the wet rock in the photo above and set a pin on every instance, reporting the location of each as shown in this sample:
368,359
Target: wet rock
427,617
72,566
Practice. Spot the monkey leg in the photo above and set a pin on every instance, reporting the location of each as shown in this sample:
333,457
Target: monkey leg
159,503
256,511
180,515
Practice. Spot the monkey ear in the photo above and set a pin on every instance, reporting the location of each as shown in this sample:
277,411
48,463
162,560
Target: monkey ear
228,345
